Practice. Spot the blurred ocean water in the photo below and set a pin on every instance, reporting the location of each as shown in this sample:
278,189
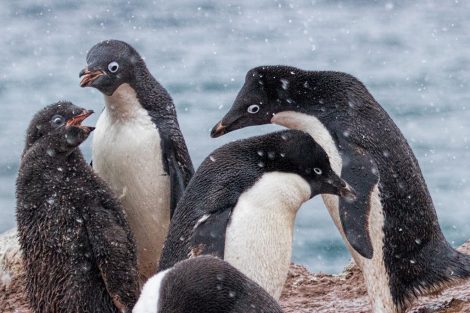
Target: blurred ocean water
413,57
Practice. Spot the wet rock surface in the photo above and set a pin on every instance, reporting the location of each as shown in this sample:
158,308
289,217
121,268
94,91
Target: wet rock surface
304,291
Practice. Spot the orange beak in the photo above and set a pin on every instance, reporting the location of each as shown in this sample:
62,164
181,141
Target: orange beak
78,119
218,130
87,77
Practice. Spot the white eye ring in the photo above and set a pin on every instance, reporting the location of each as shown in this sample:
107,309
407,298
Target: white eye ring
58,120
317,171
254,108
113,67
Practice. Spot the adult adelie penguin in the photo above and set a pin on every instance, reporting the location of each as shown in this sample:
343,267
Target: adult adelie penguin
242,202
78,250
392,228
204,284
138,147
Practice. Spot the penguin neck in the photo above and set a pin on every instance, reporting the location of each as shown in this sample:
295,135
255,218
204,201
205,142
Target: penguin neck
154,96
47,155
123,104
259,235
313,126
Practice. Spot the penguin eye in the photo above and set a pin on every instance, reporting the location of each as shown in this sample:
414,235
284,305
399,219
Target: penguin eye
57,120
317,171
254,108
113,67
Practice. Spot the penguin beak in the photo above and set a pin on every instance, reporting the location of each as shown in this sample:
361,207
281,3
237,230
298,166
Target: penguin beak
347,192
228,124
338,186
78,119
237,119
87,76
218,130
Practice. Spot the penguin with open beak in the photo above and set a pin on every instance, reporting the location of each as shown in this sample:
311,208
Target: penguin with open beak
78,250
138,147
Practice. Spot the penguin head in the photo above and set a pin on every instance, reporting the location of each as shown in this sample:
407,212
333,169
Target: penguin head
267,90
297,152
110,63
60,125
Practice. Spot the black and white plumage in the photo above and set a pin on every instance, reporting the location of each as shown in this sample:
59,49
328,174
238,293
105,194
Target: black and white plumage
138,147
391,229
242,202
78,250
204,284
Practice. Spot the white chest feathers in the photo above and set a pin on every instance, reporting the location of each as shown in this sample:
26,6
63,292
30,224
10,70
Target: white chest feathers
259,236
313,126
374,272
127,155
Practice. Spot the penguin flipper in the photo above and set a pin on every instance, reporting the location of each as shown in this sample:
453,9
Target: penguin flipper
114,250
180,170
176,181
360,171
209,234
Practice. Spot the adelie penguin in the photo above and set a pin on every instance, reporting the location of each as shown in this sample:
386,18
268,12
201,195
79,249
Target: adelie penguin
78,251
391,228
204,284
242,202
138,147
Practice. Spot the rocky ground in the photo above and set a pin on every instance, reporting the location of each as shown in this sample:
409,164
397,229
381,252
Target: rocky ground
304,291
322,293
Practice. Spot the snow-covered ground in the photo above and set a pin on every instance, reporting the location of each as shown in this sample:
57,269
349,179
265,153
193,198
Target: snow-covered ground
414,58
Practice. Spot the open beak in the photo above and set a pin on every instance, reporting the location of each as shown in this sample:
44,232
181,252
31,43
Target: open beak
78,119
87,76
218,130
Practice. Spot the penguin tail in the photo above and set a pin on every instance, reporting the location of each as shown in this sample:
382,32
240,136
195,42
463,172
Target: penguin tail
446,267
465,261
438,267
457,265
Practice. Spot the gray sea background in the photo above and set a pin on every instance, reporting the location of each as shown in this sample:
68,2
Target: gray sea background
414,57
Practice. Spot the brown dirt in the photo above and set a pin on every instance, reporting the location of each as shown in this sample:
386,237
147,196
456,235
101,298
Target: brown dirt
304,291
308,292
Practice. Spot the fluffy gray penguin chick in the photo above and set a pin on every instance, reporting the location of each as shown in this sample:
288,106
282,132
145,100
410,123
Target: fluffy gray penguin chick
78,250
